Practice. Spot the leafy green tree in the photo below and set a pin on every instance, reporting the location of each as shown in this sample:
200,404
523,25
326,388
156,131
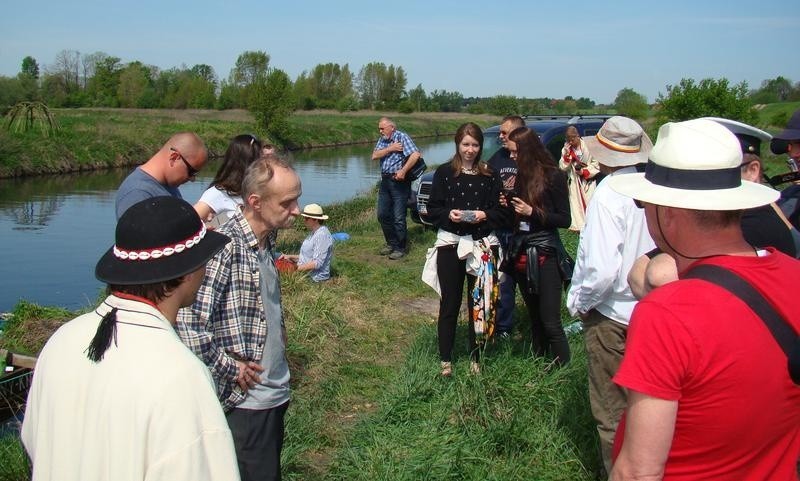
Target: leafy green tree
330,82
204,72
11,92
502,105
370,84
533,106
228,96
30,67
418,98
444,101
303,95
379,86
631,104
103,85
28,80
585,103
393,86
135,87
252,67
272,103
710,97
771,91
53,91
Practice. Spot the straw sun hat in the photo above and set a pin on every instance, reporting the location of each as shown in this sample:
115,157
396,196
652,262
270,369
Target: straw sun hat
313,211
694,165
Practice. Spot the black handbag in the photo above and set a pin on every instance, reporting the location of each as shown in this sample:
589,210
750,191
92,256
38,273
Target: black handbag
783,333
416,171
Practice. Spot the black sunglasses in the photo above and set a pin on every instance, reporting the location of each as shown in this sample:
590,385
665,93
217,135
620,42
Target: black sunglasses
191,170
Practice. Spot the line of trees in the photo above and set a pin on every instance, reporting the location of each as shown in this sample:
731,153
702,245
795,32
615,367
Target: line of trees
102,80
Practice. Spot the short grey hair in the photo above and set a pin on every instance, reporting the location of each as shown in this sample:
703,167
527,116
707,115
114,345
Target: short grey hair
260,172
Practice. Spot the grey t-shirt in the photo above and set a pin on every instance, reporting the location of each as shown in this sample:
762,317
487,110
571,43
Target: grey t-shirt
273,390
138,186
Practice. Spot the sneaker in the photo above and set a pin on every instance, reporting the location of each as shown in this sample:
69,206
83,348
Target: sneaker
397,255
385,250
503,336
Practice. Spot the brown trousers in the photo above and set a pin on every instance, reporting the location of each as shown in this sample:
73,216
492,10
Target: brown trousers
605,346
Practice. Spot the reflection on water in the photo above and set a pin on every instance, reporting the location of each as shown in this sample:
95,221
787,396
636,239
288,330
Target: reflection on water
53,229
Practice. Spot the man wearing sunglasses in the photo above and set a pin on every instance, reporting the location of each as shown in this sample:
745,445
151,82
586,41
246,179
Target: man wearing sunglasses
177,162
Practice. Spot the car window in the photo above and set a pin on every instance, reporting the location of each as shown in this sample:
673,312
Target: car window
555,144
491,142
589,132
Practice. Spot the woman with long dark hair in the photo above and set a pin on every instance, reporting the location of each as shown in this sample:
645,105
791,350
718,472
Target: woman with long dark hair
464,205
224,193
541,206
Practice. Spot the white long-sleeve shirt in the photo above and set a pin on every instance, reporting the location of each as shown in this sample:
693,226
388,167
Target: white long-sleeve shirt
614,236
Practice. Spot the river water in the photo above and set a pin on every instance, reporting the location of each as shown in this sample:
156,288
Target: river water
53,229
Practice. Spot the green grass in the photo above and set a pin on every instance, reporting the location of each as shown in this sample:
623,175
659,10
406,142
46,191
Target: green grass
773,117
367,401
14,464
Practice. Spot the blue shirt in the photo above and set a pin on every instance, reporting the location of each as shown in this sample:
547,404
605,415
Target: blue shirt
138,186
395,160
318,247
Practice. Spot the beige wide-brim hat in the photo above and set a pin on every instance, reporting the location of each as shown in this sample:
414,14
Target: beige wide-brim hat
620,142
314,211
694,165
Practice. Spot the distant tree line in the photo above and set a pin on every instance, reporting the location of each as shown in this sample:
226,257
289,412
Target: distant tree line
102,80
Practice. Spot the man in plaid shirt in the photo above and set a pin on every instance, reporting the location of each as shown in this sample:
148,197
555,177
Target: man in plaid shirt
392,150
236,325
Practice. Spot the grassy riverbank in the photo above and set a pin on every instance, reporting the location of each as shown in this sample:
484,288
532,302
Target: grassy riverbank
91,139
367,401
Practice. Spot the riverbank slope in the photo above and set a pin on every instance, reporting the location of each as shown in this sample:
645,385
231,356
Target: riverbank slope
91,139
367,399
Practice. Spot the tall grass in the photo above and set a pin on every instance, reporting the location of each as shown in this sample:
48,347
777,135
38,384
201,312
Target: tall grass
367,401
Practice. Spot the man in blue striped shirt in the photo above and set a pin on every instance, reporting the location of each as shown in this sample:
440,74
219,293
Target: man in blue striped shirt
397,154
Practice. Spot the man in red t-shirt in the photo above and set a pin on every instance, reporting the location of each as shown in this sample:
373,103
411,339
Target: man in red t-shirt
709,392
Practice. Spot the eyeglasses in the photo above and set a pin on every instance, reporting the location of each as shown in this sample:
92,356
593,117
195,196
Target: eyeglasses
638,203
189,169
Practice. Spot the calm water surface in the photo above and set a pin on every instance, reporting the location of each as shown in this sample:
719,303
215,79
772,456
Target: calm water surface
53,229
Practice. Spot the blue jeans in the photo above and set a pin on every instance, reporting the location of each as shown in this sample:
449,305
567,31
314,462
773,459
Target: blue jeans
508,294
392,204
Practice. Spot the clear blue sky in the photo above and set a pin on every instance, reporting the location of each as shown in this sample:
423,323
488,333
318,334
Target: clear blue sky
523,48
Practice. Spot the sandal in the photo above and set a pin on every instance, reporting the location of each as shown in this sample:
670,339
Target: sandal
447,369
474,367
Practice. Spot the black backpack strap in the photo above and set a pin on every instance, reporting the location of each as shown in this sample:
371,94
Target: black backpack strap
783,333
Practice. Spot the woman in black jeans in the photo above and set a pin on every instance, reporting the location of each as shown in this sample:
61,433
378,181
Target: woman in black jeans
541,205
465,205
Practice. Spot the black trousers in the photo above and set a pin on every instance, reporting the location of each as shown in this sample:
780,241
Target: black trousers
258,439
452,273
544,310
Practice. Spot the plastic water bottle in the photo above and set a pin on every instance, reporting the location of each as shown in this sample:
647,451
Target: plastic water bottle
573,328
